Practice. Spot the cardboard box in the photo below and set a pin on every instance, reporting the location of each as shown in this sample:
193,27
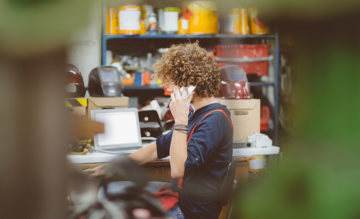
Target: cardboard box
95,103
77,105
245,116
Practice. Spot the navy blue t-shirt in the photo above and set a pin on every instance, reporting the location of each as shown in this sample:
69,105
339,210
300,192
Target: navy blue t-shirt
209,153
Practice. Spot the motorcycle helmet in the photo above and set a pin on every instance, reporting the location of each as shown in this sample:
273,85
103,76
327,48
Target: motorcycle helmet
75,83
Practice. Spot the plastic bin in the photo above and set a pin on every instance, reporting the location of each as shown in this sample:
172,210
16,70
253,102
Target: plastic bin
244,51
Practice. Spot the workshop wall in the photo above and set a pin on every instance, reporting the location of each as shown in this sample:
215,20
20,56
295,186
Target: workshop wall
84,51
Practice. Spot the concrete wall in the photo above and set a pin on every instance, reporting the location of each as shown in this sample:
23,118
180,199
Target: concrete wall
85,49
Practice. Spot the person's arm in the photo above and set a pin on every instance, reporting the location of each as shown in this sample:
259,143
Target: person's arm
145,154
179,107
178,154
142,156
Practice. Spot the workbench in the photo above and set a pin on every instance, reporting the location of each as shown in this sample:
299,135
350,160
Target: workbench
159,170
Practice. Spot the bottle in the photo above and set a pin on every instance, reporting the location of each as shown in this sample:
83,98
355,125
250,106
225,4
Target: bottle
152,23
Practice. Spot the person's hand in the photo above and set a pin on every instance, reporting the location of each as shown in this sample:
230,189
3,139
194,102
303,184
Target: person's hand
179,105
96,171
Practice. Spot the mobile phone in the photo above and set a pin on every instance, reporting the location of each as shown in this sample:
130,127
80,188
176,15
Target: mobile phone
190,89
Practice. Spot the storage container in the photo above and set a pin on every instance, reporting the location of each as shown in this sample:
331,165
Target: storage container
112,21
237,21
203,17
245,117
244,51
129,19
183,26
257,27
171,20
95,103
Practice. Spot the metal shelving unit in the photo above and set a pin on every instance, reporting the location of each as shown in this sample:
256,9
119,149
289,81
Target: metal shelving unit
158,37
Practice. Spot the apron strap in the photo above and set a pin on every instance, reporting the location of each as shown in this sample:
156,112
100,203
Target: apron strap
180,181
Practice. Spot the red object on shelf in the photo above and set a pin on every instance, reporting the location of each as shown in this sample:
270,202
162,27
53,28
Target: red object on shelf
265,117
234,83
243,51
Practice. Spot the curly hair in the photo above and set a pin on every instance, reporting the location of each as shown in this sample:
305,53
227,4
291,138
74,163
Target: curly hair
189,64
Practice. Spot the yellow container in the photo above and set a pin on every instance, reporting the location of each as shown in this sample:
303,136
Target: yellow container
257,27
238,21
112,21
129,20
203,17
183,26
235,20
142,27
244,22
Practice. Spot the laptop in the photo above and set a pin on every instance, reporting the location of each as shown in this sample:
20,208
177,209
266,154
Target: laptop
122,130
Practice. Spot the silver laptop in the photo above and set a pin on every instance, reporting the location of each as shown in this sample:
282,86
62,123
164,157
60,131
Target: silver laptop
122,130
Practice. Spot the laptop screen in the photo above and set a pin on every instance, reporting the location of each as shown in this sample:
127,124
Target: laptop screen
121,128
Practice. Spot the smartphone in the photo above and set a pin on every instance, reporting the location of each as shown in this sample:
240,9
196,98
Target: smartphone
190,89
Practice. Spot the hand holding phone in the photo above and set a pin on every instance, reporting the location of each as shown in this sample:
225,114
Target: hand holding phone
190,89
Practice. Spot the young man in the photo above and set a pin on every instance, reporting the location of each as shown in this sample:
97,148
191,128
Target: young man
200,145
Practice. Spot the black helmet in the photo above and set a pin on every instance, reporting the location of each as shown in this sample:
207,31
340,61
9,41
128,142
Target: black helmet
104,81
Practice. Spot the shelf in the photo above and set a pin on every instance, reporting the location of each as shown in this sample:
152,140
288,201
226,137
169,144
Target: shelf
158,87
243,60
190,36
262,84
139,87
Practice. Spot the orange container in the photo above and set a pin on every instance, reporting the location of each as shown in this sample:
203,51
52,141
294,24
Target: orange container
146,78
127,82
112,21
167,92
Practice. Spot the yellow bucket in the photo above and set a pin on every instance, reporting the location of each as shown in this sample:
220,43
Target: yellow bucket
112,22
203,17
238,21
129,20
257,27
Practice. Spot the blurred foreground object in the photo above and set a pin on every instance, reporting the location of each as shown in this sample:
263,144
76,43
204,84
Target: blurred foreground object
319,173
28,27
124,204
84,128
33,135
82,131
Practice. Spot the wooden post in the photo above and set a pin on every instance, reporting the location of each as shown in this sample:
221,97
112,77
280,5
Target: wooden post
32,136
